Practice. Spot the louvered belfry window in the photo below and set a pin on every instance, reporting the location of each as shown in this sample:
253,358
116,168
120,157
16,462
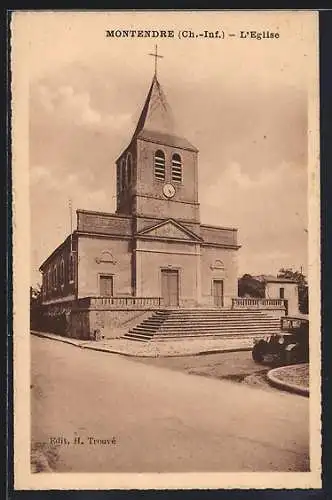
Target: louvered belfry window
176,168
159,165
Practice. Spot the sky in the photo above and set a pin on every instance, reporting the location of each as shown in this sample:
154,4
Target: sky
242,103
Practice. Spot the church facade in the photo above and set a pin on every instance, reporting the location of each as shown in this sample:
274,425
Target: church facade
154,245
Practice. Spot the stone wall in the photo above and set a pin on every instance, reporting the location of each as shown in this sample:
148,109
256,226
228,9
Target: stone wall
150,200
112,323
219,235
154,256
103,256
99,222
58,282
53,318
86,323
218,264
79,325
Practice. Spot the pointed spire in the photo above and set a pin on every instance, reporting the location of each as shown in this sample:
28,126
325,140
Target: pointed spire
156,121
156,114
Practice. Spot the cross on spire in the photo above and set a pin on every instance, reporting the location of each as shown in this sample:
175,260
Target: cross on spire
155,55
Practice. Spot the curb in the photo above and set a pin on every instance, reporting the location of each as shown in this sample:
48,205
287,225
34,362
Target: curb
286,386
66,340
77,343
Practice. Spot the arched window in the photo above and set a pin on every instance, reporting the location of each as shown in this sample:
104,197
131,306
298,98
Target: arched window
62,272
159,165
176,168
49,280
71,268
118,177
55,277
123,174
129,168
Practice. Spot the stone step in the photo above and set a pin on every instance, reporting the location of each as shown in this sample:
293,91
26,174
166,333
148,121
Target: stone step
205,323
221,330
161,338
212,331
179,310
147,331
231,326
212,314
206,335
138,337
207,311
219,321
214,318
153,321
210,321
209,316
147,327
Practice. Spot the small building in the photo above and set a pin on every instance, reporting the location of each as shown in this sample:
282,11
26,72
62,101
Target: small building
281,288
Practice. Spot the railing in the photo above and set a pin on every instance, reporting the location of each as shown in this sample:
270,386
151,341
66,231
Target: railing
252,303
121,302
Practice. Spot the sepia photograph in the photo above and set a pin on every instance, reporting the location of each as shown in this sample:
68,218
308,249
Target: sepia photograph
166,249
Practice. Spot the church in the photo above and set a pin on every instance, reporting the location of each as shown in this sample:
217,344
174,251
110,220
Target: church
154,247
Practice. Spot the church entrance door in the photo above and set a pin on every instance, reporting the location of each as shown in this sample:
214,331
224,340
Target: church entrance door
218,292
170,287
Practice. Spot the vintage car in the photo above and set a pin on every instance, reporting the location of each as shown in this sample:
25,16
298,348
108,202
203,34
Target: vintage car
290,346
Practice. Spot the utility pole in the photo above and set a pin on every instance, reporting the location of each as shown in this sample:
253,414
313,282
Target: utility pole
71,225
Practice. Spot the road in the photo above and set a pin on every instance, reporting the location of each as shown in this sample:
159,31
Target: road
161,420
218,365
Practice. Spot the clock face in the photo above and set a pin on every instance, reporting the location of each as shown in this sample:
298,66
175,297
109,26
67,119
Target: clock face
169,190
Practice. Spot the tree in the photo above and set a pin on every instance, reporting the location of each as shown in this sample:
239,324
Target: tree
249,286
35,295
301,280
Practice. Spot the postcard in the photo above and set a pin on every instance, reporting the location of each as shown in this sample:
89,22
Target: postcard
166,249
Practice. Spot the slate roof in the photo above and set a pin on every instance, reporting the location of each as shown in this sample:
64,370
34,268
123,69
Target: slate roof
156,122
269,278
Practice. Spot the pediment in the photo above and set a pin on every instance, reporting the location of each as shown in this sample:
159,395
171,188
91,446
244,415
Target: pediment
170,230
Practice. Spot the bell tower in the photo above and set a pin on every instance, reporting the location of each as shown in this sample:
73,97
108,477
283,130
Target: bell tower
157,174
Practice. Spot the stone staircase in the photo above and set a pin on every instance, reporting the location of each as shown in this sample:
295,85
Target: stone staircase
179,324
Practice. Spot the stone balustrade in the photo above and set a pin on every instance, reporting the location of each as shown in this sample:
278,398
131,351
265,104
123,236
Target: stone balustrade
120,302
257,303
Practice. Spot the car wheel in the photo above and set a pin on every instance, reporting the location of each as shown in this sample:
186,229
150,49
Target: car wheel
258,352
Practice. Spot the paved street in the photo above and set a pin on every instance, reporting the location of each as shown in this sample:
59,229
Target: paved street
162,420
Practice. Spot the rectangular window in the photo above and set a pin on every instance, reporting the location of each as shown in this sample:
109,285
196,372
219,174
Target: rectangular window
218,292
106,285
282,293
